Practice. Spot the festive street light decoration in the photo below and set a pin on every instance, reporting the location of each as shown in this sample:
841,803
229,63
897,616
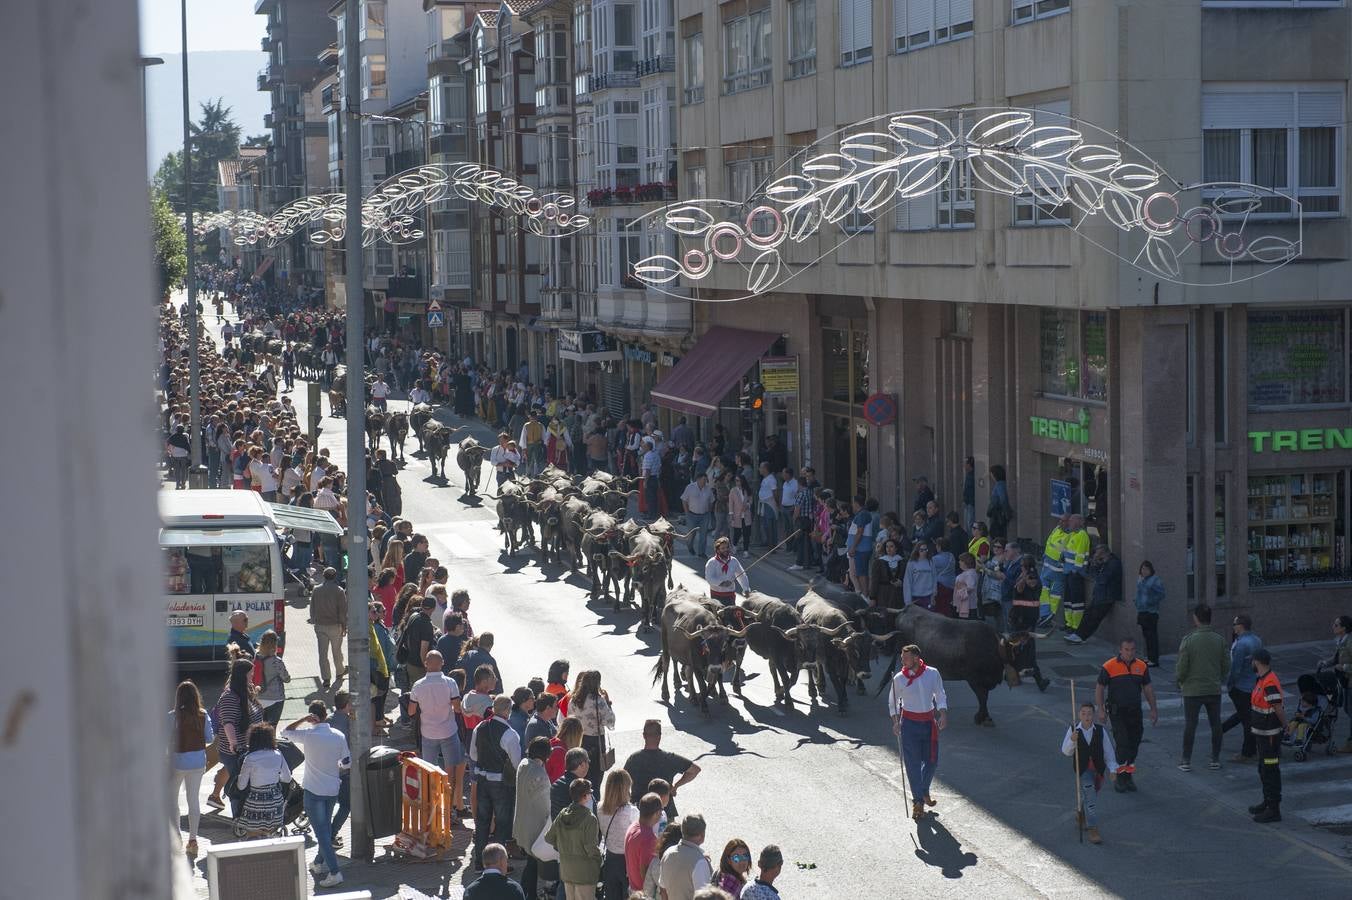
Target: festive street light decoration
913,155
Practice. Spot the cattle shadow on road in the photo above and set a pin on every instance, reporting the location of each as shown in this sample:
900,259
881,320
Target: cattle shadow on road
939,849
806,724
720,727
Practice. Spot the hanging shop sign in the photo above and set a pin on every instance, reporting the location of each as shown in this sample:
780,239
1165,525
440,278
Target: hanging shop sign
472,320
1304,439
587,346
634,354
779,375
1060,498
1072,432
880,409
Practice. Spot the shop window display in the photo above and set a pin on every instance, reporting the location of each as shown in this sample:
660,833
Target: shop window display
1297,357
1297,527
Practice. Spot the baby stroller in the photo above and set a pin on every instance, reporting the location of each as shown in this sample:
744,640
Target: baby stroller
293,813
1321,697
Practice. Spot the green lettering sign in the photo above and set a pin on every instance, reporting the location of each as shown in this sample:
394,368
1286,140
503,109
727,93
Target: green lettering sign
1304,439
1076,432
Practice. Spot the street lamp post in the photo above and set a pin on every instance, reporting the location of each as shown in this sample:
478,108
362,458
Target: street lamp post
427,210
194,370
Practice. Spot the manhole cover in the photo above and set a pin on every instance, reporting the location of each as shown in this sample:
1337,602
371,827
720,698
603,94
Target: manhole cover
1075,671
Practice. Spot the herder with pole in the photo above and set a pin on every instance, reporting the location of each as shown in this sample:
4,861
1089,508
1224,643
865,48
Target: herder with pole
919,711
1091,750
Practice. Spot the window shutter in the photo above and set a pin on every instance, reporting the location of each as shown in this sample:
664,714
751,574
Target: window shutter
961,13
1266,109
846,26
942,15
1324,108
863,24
916,213
899,31
920,20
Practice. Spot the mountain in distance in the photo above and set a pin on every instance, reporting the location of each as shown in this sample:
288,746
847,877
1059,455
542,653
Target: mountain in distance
230,74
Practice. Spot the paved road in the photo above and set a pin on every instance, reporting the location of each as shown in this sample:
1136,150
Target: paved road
827,787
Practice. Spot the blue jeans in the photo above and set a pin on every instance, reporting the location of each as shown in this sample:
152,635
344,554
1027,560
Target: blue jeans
444,752
699,541
344,803
301,554
920,755
320,811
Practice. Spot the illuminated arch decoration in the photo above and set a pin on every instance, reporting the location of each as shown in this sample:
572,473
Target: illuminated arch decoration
911,155
389,212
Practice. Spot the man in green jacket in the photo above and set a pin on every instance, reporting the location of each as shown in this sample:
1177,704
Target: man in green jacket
1203,663
576,835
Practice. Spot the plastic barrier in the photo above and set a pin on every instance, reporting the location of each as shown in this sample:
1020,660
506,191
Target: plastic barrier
428,810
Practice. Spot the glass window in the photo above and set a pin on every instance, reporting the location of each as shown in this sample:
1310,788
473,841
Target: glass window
176,573
1060,365
802,37
1094,350
746,56
856,31
1219,536
693,66
1297,357
1220,376
1297,527
696,185
835,365
1028,10
952,206
1027,209
920,23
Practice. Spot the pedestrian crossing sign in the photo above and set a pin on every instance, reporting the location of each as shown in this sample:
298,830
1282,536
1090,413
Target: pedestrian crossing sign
435,318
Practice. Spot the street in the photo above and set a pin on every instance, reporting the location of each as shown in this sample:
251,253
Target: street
827,788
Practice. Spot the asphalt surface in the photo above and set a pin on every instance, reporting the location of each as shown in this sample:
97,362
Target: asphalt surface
827,787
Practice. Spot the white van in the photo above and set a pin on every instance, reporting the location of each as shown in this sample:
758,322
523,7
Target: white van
223,551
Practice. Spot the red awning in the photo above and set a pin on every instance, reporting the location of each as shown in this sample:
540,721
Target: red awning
263,267
704,376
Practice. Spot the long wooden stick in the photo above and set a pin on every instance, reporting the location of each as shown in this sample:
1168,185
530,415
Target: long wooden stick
1075,735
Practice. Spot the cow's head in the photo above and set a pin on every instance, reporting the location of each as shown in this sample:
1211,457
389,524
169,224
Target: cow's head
1018,651
811,641
857,649
709,648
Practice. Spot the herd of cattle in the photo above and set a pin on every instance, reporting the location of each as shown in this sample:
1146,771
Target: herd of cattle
582,523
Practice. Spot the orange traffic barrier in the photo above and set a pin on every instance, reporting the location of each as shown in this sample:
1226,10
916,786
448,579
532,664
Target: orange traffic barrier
427,808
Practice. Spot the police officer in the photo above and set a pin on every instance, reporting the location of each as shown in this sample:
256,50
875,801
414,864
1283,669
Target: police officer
1267,721
1117,696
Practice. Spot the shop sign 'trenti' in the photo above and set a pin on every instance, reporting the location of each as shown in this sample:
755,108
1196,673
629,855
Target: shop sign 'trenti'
1303,439
1076,432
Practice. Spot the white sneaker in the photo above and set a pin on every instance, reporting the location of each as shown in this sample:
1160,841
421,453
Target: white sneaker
795,568
318,868
333,880
1073,638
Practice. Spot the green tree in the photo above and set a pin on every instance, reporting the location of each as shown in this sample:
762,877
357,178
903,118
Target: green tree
215,136
171,249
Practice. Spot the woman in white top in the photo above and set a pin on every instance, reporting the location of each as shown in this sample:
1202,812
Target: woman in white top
591,704
615,815
261,775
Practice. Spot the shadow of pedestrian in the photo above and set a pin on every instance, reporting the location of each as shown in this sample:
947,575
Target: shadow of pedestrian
938,848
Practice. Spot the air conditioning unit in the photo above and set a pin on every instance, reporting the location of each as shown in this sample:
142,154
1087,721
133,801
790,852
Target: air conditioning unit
273,868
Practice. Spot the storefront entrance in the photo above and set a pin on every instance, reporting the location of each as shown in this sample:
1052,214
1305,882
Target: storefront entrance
1084,488
846,470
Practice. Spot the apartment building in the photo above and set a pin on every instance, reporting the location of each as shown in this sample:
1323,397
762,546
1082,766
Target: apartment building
297,31
1202,428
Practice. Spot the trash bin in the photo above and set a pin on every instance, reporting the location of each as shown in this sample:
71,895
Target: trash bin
197,478
384,802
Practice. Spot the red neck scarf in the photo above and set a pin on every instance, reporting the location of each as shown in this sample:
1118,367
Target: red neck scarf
725,563
911,676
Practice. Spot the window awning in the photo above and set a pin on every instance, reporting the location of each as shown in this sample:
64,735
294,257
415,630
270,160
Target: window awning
705,375
320,520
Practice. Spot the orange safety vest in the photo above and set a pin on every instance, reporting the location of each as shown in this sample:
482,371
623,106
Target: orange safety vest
1268,725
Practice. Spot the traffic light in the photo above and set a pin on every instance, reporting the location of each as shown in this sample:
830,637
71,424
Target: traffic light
756,397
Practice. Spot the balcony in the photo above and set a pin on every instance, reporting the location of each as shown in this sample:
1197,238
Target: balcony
265,44
408,287
655,192
329,97
655,64
641,312
263,80
267,121
611,80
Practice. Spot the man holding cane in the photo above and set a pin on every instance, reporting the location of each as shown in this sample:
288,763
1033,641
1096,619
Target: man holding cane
919,709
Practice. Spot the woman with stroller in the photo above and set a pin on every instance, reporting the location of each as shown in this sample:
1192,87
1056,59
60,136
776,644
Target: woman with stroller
1341,665
261,774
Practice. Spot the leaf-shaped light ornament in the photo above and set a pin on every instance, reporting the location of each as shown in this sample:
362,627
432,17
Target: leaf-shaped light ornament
828,168
764,272
1161,256
803,219
659,269
872,148
839,201
1121,208
1000,130
579,223
1083,191
1049,142
920,131
922,174
1134,177
789,189
878,189
1273,249
1238,202
534,225
691,221
1046,183
436,192
997,173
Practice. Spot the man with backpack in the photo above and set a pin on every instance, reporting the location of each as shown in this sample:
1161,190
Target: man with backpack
418,639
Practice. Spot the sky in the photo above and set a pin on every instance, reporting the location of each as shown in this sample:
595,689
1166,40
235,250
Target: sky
212,25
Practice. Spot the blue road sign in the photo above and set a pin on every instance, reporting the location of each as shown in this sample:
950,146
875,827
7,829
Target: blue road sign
435,318
1060,500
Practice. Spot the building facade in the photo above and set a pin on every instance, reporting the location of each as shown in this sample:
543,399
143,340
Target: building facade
1203,429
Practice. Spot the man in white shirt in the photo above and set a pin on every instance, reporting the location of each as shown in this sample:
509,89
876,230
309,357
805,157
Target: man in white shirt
725,574
788,501
919,709
495,749
685,867
437,697
651,471
380,391
419,395
504,459
326,754
768,498
698,501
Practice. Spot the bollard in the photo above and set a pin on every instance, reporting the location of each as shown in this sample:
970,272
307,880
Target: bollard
197,478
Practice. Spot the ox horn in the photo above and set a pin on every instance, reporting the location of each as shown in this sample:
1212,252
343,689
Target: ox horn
791,633
837,631
884,638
